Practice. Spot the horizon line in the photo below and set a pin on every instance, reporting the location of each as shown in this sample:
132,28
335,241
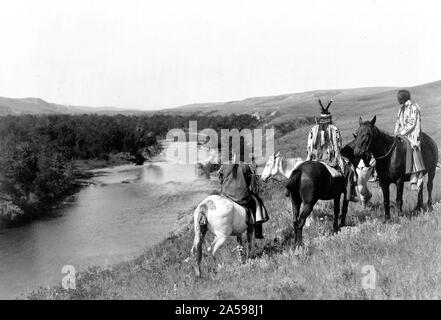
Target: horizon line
137,109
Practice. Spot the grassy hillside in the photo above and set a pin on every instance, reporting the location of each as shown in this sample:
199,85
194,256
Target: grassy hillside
348,106
405,254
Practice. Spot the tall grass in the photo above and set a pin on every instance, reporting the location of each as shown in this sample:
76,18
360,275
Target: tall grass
405,254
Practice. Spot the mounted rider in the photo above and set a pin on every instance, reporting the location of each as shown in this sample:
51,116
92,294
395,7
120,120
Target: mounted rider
408,125
238,183
324,144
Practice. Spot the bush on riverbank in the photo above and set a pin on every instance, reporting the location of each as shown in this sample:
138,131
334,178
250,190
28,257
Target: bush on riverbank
38,157
32,179
9,213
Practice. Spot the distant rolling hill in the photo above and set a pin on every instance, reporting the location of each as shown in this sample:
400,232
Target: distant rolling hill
39,106
348,106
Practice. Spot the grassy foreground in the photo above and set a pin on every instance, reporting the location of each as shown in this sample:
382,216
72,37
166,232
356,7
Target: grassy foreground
405,253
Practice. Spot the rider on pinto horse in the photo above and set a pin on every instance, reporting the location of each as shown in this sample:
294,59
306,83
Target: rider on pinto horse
237,183
325,143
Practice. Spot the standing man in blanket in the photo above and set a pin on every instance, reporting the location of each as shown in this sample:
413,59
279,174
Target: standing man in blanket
408,125
324,144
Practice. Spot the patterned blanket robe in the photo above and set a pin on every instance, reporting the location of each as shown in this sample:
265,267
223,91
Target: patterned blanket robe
324,144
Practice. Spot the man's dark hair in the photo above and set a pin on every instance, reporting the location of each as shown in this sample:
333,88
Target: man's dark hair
403,96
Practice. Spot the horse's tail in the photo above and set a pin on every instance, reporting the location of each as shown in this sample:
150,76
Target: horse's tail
433,149
292,187
200,228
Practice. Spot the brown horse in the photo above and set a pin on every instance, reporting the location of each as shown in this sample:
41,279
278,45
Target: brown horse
390,155
311,181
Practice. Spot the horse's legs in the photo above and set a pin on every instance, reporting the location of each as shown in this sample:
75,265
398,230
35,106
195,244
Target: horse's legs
210,247
296,203
250,231
239,248
344,211
197,246
298,225
336,212
419,205
400,187
218,241
385,188
430,177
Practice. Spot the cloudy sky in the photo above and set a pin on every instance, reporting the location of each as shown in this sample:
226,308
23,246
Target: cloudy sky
155,54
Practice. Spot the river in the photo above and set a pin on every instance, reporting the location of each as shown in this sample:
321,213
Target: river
125,210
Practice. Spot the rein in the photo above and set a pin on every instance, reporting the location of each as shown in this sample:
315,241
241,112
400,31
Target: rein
390,150
387,153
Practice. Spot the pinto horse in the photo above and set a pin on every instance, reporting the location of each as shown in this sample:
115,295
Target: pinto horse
390,155
224,218
278,165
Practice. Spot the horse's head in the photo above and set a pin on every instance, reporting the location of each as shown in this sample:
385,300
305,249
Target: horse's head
363,139
270,167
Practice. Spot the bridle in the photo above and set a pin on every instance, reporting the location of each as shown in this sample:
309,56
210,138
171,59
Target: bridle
387,153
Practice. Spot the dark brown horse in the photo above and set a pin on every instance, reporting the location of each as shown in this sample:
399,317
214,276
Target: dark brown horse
390,155
310,182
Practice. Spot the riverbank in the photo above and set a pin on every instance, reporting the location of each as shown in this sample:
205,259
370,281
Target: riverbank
405,254
123,210
12,215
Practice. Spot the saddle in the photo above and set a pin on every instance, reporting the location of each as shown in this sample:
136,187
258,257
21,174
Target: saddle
255,210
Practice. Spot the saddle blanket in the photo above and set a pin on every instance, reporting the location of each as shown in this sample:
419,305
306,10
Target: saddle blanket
414,161
257,213
334,172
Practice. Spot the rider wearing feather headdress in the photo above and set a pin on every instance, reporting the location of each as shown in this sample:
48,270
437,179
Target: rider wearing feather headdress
324,144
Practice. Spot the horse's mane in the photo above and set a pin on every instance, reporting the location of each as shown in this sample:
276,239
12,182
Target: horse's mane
379,132
384,134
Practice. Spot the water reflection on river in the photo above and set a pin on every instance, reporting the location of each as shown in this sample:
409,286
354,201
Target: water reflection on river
127,209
